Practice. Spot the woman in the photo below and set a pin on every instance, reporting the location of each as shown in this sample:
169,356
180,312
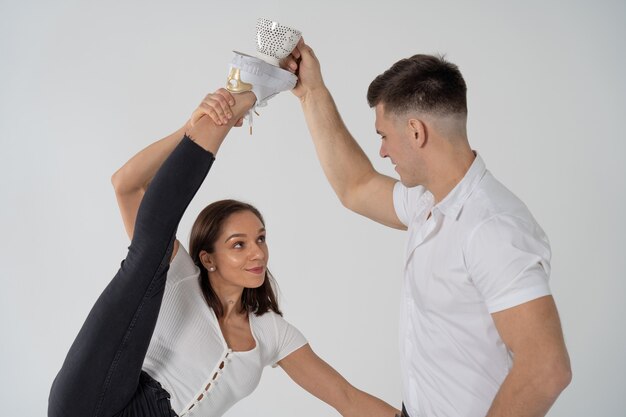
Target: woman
202,332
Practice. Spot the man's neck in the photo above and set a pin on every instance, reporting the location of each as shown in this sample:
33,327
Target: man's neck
448,171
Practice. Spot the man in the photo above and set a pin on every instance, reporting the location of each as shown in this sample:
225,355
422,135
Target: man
479,331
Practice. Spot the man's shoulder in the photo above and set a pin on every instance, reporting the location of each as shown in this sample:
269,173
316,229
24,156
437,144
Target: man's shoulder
492,199
406,198
409,193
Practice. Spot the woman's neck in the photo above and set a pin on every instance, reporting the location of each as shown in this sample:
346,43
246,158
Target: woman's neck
229,296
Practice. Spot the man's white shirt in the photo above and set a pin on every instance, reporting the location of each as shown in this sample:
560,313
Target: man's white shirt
477,252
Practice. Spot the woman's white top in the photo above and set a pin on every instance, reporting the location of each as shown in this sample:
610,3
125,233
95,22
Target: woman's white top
189,356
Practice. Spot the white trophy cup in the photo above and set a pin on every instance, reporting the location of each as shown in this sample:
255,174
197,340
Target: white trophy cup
274,42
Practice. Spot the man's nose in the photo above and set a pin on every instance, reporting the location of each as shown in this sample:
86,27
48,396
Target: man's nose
382,152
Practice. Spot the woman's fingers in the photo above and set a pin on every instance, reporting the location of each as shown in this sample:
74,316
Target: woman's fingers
221,102
217,106
227,95
195,116
204,109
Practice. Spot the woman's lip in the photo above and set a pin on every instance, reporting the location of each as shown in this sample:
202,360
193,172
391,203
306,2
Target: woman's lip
257,270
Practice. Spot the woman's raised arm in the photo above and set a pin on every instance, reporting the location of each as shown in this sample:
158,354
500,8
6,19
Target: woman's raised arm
131,180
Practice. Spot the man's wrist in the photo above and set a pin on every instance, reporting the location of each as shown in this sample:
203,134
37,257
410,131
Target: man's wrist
315,94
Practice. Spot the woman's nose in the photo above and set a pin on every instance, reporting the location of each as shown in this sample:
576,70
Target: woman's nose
257,252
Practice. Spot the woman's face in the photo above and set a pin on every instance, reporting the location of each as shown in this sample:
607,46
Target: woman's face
241,254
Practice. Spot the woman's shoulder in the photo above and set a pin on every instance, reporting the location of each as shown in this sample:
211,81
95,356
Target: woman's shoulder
272,325
278,337
267,319
182,266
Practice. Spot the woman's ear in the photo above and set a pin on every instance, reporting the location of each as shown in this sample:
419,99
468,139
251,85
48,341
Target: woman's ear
207,261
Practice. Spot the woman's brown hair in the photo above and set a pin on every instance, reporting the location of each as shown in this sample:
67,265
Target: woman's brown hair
204,234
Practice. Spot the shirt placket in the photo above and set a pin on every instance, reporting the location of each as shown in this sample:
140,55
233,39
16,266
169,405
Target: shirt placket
423,226
209,385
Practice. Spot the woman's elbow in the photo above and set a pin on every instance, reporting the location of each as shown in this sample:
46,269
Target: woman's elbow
120,181
116,180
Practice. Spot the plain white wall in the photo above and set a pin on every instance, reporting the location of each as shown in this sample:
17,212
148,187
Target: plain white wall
84,85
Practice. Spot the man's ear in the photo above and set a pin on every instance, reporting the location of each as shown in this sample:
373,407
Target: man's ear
417,129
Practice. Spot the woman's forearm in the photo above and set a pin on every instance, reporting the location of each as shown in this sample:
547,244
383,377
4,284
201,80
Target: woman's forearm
363,404
132,180
320,379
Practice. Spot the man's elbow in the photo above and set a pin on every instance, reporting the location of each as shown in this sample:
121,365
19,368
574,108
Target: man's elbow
556,376
346,200
351,196
563,377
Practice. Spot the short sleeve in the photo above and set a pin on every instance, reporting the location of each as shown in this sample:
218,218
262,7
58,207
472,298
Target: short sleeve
405,201
181,267
289,339
508,260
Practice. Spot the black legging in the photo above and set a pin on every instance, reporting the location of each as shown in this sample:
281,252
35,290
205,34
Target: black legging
101,375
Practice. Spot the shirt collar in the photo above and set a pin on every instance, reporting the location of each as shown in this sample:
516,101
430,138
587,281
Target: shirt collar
452,204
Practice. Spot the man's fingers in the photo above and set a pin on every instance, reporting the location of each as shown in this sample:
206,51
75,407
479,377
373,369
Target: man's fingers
304,49
308,50
296,51
289,64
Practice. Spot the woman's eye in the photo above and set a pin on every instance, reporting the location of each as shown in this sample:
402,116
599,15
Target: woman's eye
238,245
262,239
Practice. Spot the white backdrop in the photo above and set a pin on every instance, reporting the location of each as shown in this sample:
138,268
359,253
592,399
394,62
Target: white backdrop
84,85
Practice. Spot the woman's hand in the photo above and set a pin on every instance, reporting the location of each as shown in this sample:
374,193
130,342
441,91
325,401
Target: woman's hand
218,107
208,128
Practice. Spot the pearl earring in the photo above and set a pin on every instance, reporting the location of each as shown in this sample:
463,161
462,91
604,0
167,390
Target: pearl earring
212,269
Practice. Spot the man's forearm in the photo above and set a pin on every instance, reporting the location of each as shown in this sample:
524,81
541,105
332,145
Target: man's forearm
528,393
342,159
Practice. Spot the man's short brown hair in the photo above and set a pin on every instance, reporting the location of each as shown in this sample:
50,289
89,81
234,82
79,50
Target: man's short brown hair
423,83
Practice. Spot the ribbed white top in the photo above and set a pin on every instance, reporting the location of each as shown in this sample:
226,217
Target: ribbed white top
189,356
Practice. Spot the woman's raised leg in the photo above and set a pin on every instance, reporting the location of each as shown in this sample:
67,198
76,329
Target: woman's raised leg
101,372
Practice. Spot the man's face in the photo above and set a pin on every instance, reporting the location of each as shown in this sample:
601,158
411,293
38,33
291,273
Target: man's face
396,144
